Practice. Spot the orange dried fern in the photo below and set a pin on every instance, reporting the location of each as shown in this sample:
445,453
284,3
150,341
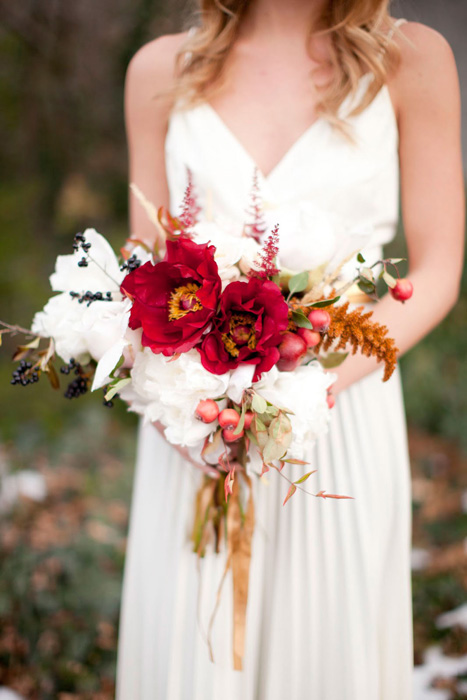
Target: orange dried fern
355,329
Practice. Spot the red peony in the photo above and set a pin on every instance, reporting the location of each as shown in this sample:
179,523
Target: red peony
252,317
175,300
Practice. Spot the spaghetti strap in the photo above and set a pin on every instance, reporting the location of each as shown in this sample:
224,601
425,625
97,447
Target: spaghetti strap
397,23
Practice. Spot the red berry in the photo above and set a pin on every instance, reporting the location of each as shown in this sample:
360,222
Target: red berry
402,291
319,319
331,401
248,419
228,434
310,337
207,410
228,418
292,350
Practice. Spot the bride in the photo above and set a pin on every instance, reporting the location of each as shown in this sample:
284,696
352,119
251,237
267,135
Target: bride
333,104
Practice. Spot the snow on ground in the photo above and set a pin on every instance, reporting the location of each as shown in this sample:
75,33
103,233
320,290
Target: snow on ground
436,664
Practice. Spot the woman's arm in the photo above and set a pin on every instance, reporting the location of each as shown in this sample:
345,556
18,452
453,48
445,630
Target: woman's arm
149,81
425,93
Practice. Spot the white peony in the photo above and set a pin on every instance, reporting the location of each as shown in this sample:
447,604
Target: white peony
80,330
304,392
96,329
307,235
169,391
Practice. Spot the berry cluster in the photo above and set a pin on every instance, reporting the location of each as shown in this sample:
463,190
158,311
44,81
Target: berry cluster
80,242
25,374
79,386
131,264
88,297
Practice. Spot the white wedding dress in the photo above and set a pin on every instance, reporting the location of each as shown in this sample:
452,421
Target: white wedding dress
329,613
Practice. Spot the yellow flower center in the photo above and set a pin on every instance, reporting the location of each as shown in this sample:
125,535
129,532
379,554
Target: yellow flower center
242,332
183,300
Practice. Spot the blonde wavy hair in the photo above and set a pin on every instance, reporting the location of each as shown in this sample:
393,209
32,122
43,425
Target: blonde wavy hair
360,40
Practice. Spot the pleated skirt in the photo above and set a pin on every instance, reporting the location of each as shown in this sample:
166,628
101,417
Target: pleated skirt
329,613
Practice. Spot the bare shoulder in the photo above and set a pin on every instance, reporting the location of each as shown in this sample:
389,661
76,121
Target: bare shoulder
427,68
155,61
150,74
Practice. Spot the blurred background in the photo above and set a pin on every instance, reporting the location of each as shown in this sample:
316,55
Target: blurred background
66,468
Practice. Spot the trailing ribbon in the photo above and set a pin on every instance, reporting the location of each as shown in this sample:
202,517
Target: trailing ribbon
239,532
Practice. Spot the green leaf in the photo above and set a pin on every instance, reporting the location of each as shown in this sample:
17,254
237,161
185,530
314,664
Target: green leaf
366,287
300,320
305,477
389,279
298,282
241,422
115,388
367,274
333,359
360,258
291,460
273,450
324,303
258,404
290,493
117,366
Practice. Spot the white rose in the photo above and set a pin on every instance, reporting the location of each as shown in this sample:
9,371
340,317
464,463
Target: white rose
170,390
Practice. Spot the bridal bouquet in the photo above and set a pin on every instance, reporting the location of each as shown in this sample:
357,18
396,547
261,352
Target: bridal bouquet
210,339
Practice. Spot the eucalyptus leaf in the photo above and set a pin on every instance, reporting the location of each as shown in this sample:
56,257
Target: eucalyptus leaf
367,274
298,282
366,287
333,359
389,279
300,320
273,450
241,422
324,303
360,258
258,404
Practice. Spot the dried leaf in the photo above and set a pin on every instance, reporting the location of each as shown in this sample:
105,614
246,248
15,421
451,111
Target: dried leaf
290,493
291,460
360,258
323,494
53,376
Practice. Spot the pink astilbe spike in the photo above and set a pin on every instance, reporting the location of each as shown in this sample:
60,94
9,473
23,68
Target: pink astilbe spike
190,208
265,267
256,226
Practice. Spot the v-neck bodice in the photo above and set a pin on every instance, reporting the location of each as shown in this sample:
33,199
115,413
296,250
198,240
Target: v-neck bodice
355,182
